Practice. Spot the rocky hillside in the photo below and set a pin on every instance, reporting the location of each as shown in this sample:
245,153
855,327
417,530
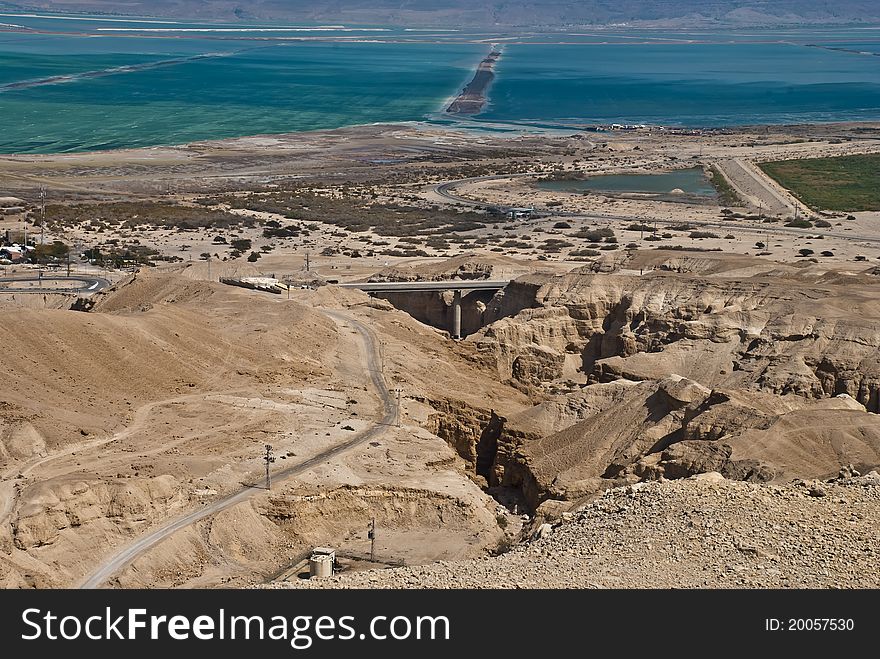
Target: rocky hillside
702,532
762,377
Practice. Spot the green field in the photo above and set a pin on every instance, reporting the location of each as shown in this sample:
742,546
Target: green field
846,183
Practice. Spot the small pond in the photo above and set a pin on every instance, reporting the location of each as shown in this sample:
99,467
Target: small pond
690,181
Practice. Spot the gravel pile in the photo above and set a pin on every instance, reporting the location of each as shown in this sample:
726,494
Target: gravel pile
703,532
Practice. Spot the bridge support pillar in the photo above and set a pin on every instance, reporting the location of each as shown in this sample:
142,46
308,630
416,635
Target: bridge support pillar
456,314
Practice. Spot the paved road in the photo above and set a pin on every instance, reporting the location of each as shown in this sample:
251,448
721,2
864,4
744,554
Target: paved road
89,285
445,190
420,286
373,363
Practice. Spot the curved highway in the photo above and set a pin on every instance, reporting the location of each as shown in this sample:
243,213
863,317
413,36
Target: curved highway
445,190
373,363
89,285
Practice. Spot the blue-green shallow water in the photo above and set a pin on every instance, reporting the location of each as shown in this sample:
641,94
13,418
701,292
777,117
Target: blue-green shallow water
231,81
692,181
691,85
268,89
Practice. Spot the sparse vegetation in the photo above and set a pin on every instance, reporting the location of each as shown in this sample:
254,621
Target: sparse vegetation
116,256
129,215
50,252
356,214
594,235
727,196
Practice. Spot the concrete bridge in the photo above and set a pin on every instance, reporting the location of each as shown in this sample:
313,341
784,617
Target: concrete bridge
457,286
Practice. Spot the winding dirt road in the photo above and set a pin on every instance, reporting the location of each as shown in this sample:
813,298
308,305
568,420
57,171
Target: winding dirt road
8,494
372,361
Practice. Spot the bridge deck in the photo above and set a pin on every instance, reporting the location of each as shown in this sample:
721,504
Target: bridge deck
421,286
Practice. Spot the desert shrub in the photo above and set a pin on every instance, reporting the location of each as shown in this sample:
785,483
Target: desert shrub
280,232
49,252
594,235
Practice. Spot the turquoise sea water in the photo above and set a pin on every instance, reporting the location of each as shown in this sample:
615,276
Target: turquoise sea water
692,181
238,91
690,85
89,83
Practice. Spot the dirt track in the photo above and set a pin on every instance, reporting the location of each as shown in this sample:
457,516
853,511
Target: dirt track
753,186
372,362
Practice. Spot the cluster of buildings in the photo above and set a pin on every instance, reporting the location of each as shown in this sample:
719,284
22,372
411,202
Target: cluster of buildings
11,254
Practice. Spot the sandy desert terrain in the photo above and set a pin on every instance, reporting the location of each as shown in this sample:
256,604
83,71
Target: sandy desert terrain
643,342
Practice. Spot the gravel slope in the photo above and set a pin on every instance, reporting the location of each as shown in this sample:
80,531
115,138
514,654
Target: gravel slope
703,532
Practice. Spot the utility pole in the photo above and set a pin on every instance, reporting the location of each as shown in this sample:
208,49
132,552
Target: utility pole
398,406
42,215
308,261
209,268
269,460
372,536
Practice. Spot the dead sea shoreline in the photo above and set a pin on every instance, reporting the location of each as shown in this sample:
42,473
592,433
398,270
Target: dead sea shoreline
517,131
